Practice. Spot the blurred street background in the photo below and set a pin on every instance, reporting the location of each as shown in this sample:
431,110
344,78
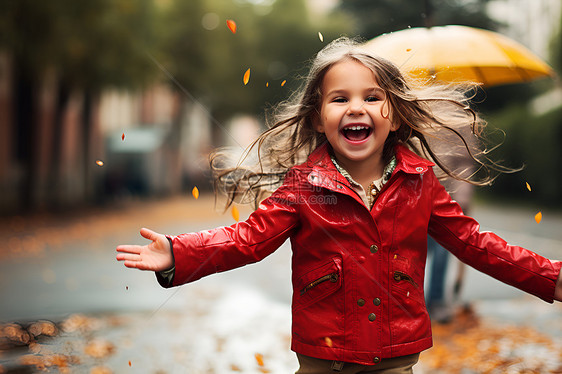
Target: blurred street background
108,111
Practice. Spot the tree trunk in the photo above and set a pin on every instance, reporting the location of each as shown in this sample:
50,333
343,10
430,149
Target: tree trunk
27,137
55,175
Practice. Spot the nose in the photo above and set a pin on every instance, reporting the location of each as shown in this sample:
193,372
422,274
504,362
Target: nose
356,107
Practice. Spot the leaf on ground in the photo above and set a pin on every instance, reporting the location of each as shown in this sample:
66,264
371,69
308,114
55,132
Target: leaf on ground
99,348
259,359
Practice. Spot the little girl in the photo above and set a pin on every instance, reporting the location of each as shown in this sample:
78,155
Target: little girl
357,200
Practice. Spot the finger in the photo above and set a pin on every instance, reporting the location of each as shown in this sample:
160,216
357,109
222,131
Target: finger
136,265
127,257
131,264
136,249
149,234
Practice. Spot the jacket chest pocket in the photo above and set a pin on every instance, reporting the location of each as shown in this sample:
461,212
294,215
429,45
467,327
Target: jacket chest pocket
318,283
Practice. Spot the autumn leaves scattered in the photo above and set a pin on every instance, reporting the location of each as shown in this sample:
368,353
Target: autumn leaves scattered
538,216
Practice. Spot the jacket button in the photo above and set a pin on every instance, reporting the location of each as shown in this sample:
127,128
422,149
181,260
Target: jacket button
360,302
372,317
374,248
377,301
376,360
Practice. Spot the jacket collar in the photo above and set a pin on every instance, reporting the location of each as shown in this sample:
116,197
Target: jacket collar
407,161
320,171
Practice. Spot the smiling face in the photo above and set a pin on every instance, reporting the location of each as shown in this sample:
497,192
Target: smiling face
354,114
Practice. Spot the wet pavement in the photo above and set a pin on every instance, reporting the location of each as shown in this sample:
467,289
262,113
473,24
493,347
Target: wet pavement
113,319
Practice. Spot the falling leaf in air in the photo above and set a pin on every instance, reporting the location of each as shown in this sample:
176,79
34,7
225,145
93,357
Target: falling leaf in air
328,342
235,213
246,77
129,362
320,36
528,186
408,49
123,136
231,25
283,83
195,192
538,217
267,84
127,288
99,162
259,359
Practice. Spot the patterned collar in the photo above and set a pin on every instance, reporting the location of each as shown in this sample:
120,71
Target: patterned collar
375,187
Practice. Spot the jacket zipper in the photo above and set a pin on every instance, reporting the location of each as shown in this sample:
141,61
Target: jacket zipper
400,276
329,277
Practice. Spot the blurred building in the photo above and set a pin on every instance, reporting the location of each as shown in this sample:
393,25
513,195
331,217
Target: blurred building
116,144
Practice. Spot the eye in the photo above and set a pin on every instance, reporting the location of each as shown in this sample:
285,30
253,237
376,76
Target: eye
339,99
372,98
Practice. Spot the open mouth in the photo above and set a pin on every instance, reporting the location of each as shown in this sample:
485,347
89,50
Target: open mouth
356,133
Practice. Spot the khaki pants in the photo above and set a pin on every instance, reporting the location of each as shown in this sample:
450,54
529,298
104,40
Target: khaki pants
397,365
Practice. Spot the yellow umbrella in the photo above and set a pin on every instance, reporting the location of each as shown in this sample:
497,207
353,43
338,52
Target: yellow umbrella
459,53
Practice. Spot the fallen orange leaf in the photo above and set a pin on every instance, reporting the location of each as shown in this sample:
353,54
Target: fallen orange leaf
538,217
528,186
283,83
99,348
235,213
246,77
259,359
195,192
99,162
231,25
267,84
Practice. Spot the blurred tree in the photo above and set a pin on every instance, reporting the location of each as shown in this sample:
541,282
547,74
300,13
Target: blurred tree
85,46
374,18
208,61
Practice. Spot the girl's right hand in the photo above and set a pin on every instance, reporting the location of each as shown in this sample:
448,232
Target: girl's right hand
156,256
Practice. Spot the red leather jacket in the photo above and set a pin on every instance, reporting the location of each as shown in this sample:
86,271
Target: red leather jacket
358,275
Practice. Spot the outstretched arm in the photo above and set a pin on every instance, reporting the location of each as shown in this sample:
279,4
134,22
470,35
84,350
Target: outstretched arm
156,256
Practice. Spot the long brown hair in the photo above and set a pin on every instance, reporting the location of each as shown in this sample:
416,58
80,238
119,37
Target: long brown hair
434,121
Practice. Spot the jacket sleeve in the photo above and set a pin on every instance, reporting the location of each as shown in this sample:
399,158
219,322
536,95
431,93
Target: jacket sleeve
487,252
212,251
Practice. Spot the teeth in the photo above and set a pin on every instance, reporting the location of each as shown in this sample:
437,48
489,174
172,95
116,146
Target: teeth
357,128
